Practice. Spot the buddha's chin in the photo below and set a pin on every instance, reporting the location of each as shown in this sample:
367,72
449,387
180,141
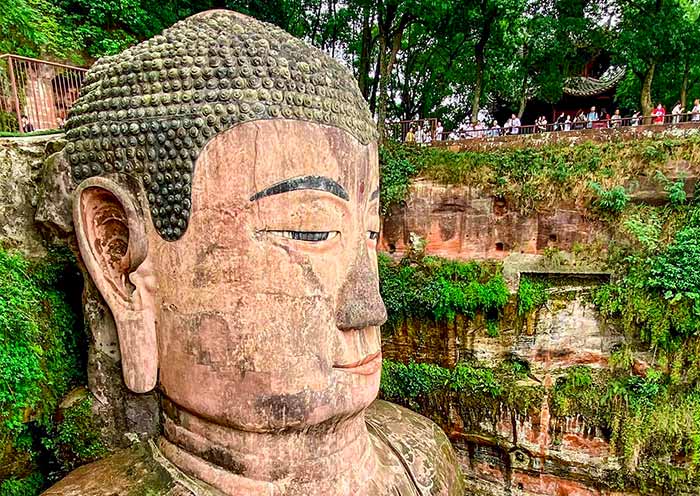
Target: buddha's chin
346,396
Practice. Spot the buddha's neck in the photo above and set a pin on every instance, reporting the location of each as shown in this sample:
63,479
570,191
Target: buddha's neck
334,459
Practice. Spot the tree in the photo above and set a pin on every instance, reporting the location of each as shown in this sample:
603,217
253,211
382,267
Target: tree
647,35
32,28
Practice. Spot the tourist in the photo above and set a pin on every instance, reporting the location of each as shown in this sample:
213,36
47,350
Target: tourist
659,113
410,136
636,118
676,113
513,124
567,123
479,129
559,122
616,119
592,117
495,129
466,131
420,135
541,124
605,117
581,120
695,113
438,131
27,126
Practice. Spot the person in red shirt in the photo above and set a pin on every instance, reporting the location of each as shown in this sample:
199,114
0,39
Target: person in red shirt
659,114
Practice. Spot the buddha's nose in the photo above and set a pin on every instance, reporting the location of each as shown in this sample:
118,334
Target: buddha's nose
359,302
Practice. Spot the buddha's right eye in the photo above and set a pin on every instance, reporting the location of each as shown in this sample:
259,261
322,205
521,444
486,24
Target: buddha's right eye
309,236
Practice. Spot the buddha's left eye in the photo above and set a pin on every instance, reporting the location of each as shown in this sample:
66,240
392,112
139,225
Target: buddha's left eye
311,236
373,235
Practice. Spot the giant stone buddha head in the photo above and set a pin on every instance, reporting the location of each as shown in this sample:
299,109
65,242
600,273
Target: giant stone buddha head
226,207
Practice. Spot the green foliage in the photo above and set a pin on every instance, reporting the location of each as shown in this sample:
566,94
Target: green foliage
658,294
675,190
41,350
8,120
38,346
612,200
28,486
396,173
32,28
6,134
415,383
75,440
440,289
533,178
648,420
531,295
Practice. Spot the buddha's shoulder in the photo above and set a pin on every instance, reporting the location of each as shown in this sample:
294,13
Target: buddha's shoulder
130,472
424,449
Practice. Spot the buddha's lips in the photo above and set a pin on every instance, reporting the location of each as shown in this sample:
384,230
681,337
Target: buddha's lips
367,366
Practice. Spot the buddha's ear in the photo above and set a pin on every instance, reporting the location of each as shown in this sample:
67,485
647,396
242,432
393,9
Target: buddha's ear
111,229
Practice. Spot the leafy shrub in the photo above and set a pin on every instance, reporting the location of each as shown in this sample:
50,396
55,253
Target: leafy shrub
675,190
609,200
440,289
396,173
470,385
531,295
41,352
28,486
75,439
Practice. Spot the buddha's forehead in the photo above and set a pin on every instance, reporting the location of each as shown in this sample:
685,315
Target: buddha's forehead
255,156
149,111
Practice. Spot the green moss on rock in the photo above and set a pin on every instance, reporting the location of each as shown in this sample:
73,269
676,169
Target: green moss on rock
42,350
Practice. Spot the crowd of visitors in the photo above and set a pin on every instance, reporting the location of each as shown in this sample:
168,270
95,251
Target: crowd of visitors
593,119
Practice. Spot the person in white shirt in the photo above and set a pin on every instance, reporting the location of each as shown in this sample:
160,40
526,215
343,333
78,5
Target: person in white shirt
514,124
636,118
420,135
616,119
676,113
695,113
438,131
567,123
495,129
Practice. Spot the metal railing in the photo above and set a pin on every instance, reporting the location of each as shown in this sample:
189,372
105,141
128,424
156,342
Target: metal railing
478,132
36,94
418,131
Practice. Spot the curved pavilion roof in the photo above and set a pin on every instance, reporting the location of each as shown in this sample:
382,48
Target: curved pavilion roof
588,86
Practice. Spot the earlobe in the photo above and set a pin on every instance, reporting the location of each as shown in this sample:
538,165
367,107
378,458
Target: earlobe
111,232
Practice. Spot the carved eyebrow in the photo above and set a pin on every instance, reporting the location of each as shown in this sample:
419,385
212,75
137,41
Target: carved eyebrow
318,183
374,195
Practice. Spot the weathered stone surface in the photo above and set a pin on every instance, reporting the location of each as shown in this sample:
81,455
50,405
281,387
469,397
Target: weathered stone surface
467,223
21,165
464,222
54,202
404,442
515,453
240,269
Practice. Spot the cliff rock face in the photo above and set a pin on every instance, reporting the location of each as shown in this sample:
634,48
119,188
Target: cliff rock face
504,451
21,164
510,452
35,213
464,222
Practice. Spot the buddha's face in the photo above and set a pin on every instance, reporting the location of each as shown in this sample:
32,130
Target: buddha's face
267,308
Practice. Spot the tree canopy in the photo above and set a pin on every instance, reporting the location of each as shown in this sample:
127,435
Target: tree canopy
418,58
